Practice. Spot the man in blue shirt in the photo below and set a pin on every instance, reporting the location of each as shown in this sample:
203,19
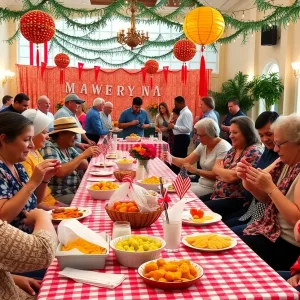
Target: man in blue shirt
234,111
134,119
93,124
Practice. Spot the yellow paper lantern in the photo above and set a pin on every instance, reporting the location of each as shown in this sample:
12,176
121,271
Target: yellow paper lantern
203,25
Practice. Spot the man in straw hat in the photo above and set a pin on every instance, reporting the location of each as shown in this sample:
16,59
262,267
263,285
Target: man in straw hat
72,101
63,138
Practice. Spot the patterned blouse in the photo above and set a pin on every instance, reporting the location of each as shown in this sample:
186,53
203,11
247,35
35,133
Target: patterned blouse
22,252
224,189
9,187
66,185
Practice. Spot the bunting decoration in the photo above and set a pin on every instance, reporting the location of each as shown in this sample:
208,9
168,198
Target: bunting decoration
144,74
166,72
80,69
97,71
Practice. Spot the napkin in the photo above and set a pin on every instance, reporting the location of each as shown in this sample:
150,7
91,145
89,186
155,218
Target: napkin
176,211
105,280
70,230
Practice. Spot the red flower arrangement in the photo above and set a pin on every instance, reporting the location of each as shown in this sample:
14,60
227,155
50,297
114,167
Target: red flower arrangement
143,151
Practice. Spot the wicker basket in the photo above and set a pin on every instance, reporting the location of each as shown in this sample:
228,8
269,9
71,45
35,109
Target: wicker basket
136,220
121,174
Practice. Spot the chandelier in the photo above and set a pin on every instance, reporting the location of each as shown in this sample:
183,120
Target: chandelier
133,37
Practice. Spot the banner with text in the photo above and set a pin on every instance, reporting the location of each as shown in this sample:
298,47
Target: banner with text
118,86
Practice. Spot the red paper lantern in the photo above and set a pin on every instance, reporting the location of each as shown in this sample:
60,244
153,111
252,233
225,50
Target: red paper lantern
37,26
151,66
62,60
184,50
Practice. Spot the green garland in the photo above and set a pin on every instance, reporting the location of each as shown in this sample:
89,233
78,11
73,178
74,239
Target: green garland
77,45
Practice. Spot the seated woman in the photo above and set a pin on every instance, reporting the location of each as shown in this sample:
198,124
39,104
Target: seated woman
256,209
210,150
271,237
17,191
228,189
19,248
40,127
66,180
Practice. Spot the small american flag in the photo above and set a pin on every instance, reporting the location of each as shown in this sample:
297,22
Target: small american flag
182,183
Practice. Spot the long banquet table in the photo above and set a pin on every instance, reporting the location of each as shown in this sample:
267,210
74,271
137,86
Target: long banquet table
124,145
234,274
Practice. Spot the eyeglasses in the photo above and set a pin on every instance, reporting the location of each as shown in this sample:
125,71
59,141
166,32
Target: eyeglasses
201,135
278,145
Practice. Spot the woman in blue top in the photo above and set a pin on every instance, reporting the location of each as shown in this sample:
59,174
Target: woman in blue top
17,191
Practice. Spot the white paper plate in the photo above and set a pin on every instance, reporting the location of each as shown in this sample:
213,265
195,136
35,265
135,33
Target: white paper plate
187,218
233,243
93,179
101,173
169,191
111,156
101,164
85,212
116,130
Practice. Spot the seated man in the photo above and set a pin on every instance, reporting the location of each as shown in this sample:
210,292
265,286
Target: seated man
66,181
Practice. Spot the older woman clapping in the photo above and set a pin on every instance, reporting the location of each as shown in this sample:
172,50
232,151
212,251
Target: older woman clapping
271,237
212,149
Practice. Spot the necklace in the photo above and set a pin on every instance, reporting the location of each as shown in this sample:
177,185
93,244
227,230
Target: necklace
13,170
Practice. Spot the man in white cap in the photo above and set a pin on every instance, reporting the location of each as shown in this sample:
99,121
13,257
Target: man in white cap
105,115
69,110
43,104
93,125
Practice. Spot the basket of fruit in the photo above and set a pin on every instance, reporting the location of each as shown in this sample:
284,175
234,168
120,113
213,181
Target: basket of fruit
121,174
129,211
134,250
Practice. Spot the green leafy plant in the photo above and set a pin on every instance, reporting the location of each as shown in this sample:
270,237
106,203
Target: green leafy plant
268,88
237,88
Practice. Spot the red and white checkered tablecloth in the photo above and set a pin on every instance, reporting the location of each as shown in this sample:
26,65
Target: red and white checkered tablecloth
123,145
234,274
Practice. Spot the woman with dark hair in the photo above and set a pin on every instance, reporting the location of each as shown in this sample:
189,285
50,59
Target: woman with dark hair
228,189
162,120
17,191
252,212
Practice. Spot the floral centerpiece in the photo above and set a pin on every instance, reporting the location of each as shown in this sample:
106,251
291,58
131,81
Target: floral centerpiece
59,104
153,109
143,153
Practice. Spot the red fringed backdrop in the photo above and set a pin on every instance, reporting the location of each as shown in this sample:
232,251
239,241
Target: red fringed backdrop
29,81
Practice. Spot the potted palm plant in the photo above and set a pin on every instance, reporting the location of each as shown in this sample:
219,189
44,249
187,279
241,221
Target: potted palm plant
268,88
237,88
